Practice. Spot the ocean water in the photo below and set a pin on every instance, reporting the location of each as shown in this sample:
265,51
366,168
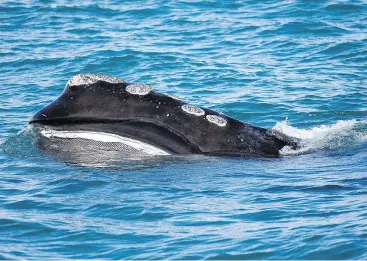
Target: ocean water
295,66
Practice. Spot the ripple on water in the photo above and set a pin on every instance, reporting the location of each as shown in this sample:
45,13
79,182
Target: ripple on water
260,62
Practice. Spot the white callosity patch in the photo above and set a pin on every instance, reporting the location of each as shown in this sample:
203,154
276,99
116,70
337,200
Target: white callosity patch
88,79
107,138
173,96
138,89
193,110
220,121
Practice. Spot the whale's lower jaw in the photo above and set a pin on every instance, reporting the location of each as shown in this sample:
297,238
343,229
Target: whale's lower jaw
129,138
102,140
91,148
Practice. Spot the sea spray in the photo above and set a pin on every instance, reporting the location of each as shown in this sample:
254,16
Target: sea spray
344,133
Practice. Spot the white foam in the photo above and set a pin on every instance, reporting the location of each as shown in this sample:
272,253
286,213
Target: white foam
343,133
89,78
105,137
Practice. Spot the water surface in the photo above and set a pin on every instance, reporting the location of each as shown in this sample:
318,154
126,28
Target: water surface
260,62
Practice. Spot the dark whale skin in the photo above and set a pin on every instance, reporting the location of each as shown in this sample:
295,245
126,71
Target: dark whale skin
157,119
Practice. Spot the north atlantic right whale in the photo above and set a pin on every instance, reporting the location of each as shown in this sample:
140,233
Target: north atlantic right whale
109,110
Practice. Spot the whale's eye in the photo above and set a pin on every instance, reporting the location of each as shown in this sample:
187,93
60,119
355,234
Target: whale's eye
220,121
191,109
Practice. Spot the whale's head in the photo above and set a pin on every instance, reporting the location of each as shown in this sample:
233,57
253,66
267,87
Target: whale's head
109,109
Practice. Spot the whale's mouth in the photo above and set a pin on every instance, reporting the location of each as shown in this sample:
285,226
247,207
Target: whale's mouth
134,137
129,146
72,120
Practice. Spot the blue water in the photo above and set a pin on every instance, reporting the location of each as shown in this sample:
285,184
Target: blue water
296,66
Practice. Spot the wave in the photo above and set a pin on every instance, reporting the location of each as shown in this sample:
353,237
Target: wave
344,133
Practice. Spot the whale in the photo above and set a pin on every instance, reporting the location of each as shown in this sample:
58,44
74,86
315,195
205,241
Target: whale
135,119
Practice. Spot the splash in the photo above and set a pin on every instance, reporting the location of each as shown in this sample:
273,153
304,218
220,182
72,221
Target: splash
344,133
21,144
